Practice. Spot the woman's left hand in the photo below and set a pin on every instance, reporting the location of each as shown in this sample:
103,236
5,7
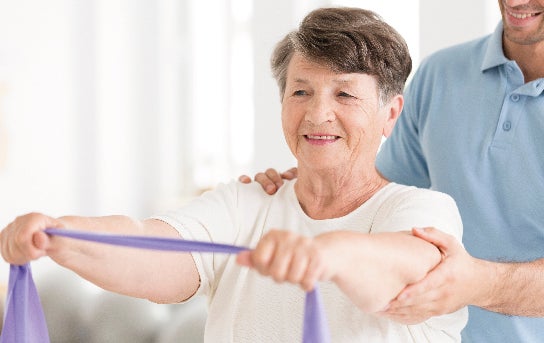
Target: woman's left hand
289,257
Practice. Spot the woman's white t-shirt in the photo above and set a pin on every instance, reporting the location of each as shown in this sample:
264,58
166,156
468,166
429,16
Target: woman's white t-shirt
247,307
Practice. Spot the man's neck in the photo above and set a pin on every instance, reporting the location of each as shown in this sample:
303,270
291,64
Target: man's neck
527,57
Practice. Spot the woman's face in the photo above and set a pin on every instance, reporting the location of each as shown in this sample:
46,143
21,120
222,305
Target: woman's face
332,120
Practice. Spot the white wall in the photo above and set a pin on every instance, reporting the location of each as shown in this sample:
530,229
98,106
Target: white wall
444,23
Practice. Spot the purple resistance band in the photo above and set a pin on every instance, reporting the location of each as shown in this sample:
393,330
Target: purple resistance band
24,321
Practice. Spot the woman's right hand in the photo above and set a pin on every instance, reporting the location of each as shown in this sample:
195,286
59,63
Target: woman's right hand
271,180
23,240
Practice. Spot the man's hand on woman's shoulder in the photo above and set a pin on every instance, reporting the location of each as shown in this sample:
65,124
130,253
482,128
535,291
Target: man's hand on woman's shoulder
271,180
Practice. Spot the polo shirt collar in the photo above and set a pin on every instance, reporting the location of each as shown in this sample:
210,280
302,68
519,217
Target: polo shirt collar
494,55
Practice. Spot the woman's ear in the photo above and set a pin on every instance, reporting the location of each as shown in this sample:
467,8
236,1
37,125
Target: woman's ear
394,109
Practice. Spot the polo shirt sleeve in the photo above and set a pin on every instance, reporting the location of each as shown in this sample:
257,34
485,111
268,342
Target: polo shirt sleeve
401,158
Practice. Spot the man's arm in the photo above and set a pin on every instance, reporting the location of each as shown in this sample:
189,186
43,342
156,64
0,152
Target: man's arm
157,276
518,289
460,280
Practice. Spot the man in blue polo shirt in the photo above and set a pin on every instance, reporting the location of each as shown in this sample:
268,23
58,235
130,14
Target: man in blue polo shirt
473,127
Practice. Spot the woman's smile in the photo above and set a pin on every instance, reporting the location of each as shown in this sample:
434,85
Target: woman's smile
320,139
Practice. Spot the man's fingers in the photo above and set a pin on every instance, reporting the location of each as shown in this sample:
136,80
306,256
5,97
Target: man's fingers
270,180
265,182
441,240
428,288
244,179
403,317
274,176
290,174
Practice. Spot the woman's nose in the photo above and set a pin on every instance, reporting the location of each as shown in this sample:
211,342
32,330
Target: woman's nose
320,111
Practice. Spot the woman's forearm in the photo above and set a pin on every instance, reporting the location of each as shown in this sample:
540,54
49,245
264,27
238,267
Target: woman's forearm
378,266
158,276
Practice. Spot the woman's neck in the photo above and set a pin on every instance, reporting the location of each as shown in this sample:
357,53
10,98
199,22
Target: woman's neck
333,197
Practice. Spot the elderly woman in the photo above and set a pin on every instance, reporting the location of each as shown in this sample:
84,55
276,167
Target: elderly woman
341,76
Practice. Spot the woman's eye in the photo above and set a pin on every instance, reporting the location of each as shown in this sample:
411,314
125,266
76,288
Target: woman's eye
299,92
344,94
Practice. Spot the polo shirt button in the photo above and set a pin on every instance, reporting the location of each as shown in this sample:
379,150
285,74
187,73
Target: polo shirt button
514,97
507,125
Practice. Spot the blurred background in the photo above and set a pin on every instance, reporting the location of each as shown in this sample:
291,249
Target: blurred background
133,106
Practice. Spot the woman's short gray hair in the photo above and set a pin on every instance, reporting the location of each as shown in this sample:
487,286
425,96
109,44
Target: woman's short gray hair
347,40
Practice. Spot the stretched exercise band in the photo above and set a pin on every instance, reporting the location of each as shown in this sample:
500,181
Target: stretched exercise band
24,321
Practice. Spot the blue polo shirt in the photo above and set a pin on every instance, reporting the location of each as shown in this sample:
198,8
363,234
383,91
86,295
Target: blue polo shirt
472,128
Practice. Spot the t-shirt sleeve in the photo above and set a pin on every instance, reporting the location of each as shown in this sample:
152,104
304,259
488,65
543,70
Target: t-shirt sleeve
211,217
417,207
422,208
